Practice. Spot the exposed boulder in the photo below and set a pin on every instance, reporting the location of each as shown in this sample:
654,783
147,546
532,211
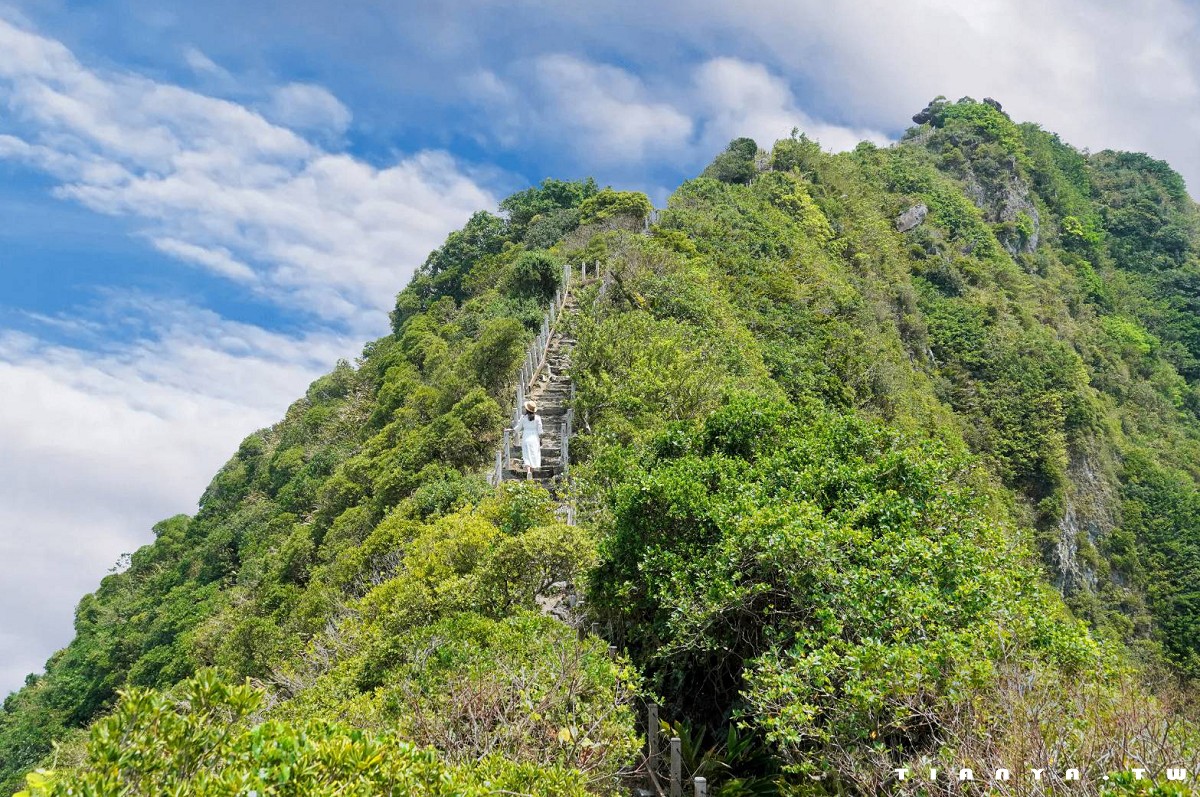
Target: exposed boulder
911,217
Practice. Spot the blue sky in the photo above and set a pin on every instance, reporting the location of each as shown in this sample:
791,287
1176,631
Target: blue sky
204,205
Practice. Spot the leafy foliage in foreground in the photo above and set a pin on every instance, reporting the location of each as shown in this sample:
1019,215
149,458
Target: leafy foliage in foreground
201,741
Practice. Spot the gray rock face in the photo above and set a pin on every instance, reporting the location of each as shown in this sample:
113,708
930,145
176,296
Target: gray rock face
1007,199
911,217
1017,204
1092,509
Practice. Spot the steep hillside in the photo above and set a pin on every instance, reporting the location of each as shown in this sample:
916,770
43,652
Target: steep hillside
881,458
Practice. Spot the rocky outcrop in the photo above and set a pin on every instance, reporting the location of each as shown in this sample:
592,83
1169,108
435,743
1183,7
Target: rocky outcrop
1090,515
911,217
1006,201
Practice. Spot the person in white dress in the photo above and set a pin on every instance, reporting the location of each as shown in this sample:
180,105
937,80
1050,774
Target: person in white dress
530,428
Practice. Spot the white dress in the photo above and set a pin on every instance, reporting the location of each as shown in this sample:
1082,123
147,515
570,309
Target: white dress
531,440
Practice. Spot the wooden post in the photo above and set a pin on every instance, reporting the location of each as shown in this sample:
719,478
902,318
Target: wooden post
701,785
652,736
676,767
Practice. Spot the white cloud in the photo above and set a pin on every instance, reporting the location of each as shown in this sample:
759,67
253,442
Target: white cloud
99,447
218,259
741,98
1104,74
606,111
303,106
202,65
100,442
321,230
607,115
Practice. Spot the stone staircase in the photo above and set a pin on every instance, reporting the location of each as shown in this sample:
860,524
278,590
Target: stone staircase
550,388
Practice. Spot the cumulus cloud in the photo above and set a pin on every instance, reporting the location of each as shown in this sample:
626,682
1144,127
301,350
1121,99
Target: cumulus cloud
201,64
608,115
217,259
98,447
219,184
102,440
303,106
741,98
606,110
1102,74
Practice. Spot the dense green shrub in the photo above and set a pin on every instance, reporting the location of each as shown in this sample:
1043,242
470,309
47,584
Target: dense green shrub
735,164
201,740
609,204
535,274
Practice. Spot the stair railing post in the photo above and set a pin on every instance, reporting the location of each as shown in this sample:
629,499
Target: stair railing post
676,767
652,736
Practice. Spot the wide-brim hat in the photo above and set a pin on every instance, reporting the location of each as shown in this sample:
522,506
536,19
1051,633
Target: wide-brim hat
530,406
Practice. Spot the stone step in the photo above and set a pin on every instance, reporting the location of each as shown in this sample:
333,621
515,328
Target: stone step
551,391
548,452
545,475
548,468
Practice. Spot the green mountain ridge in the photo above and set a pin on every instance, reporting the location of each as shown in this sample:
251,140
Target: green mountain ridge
886,458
